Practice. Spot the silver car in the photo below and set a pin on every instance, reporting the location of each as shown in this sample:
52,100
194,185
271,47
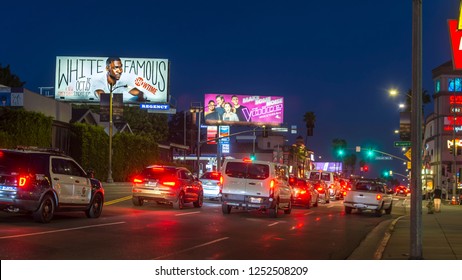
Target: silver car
211,185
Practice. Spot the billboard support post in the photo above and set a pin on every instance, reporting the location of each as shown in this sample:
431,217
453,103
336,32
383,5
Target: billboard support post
109,174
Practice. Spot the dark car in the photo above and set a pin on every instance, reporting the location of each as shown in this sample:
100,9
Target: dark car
304,192
42,182
167,184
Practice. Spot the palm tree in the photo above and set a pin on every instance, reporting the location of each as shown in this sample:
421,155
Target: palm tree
309,118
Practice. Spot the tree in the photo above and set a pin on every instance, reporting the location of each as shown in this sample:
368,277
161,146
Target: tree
309,118
9,79
426,98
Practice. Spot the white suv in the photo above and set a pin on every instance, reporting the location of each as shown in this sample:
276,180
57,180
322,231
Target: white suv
332,181
255,185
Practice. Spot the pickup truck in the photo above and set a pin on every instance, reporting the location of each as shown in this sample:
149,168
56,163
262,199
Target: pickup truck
369,195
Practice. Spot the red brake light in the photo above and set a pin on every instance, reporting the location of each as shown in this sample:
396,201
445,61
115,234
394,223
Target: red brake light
303,192
169,183
246,160
272,184
221,180
137,180
22,181
378,197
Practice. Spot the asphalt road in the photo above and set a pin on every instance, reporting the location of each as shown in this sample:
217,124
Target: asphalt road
126,232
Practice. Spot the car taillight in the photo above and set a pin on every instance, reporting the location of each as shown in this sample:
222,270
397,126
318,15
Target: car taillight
221,180
271,190
320,189
272,184
303,192
137,180
378,197
169,183
22,180
344,193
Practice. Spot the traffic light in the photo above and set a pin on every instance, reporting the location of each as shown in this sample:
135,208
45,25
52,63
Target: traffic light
370,153
253,157
387,173
365,168
340,152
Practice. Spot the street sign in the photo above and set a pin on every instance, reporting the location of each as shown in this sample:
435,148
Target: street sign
408,154
383,158
402,143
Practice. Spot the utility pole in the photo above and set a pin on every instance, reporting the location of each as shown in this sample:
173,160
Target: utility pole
416,134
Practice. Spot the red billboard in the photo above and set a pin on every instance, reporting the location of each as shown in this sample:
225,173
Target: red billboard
232,109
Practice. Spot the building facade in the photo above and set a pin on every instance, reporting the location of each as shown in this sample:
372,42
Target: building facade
442,140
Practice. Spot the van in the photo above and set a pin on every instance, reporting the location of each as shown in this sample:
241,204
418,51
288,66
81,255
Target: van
260,185
331,179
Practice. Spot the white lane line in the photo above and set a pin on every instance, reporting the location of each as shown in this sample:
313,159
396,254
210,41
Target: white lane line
308,213
59,230
188,213
192,248
273,224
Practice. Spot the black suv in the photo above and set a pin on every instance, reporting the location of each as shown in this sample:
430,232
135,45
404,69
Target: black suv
41,182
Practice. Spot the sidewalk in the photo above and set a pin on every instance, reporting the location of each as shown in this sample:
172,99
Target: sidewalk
441,235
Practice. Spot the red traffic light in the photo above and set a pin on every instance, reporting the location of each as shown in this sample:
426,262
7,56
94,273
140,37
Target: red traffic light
366,168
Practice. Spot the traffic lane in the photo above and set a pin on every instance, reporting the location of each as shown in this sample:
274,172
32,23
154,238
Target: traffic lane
159,232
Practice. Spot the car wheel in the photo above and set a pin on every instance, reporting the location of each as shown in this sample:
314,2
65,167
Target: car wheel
137,201
46,210
348,209
308,204
316,202
225,208
199,202
388,211
179,203
273,212
96,207
288,210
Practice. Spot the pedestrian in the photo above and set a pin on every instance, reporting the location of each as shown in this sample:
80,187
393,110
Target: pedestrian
437,199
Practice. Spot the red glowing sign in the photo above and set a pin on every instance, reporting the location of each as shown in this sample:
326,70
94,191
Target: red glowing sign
455,36
455,99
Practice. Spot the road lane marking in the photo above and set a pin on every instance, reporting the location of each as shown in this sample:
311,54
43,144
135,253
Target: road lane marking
188,213
59,230
308,213
118,200
192,248
273,224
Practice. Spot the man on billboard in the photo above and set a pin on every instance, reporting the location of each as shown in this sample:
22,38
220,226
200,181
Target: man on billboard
119,82
220,105
211,113
242,111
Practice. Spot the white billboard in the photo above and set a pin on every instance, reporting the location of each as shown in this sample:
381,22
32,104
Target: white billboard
83,79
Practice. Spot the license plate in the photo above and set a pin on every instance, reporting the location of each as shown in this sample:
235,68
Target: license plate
151,184
156,192
255,200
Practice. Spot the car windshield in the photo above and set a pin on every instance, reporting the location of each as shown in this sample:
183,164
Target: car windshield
369,187
19,162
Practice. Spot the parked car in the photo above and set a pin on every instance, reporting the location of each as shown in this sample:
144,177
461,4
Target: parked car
211,184
167,184
332,181
43,181
256,184
304,192
323,191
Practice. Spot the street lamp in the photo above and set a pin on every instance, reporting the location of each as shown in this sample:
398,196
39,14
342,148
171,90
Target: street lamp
198,109
111,90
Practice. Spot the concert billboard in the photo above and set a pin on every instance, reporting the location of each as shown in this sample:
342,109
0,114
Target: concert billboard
232,109
84,79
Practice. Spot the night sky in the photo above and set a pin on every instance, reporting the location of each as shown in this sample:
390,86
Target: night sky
335,58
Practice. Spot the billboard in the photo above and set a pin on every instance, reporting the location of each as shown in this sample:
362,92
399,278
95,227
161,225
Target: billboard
84,79
232,109
334,166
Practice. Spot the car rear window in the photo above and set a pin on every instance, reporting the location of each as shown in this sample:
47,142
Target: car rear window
369,187
314,176
247,170
22,162
159,173
211,176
